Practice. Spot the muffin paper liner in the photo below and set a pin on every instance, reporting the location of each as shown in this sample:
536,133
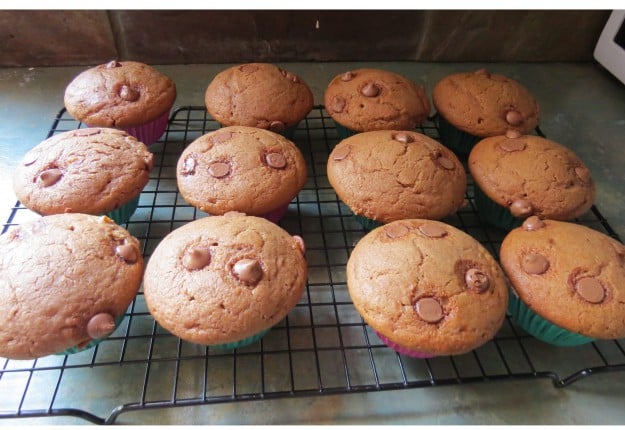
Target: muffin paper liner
493,213
243,342
276,214
460,142
367,223
122,215
93,343
402,350
540,328
150,132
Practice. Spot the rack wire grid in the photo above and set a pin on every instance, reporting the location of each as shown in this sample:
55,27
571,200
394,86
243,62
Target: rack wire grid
322,347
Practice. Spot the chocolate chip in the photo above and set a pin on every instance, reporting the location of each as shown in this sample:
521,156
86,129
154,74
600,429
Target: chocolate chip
338,104
444,162
128,94
248,271
534,264
112,64
395,230
432,230
196,258
293,78
86,131
127,252
533,223
300,243
219,170
347,76
476,280
583,174
50,177
188,167
275,160
590,289
277,126
521,208
248,68
512,145
29,158
221,136
370,90
513,134
100,325
514,118
482,72
429,310
341,152
403,137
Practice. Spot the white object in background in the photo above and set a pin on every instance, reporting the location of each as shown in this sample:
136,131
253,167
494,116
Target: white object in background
610,49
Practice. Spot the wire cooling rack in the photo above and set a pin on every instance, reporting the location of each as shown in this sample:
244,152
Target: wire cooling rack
321,347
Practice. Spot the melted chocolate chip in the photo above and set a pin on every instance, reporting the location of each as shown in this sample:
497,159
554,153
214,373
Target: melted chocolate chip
341,152
29,159
338,104
395,231
86,131
513,134
583,174
248,68
521,208
533,223
444,162
128,94
277,126
429,310
300,243
534,264
196,258
347,76
514,118
590,289
127,252
248,271
432,230
292,77
221,136
483,72
476,280
370,90
275,160
100,325
50,177
188,167
403,137
219,170
512,145
112,64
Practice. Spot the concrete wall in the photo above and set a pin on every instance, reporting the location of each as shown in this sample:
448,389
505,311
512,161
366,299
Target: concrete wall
83,37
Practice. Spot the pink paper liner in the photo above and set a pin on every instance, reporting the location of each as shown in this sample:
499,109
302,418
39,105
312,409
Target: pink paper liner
150,132
276,214
402,350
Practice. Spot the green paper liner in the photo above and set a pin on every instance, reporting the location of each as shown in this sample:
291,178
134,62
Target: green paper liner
540,328
243,342
93,343
493,213
460,142
122,215
367,223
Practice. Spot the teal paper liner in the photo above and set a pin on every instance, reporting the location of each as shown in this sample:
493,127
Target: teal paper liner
540,328
460,142
493,213
122,215
243,342
93,343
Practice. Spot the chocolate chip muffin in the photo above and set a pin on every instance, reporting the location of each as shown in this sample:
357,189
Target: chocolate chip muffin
128,95
244,169
568,281
259,95
388,175
521,175
473,105
65,281
225,280
427,287
374,99
91,170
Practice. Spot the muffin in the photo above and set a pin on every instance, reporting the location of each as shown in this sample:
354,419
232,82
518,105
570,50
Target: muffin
568,281
259,95
244,169
65,282
373,99
127,95
388,175
521,175
90,170
427,287
224,281
473,105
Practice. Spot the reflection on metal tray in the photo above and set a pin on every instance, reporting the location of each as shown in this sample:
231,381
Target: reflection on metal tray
322,347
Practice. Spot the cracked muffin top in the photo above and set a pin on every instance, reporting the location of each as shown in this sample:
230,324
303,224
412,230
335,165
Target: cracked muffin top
375,99
531,175
388,175
119,94
221,279
89,170
427,286
258,95
485,104
244,169
571,275
64,280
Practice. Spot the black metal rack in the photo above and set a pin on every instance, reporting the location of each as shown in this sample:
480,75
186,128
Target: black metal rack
322,347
